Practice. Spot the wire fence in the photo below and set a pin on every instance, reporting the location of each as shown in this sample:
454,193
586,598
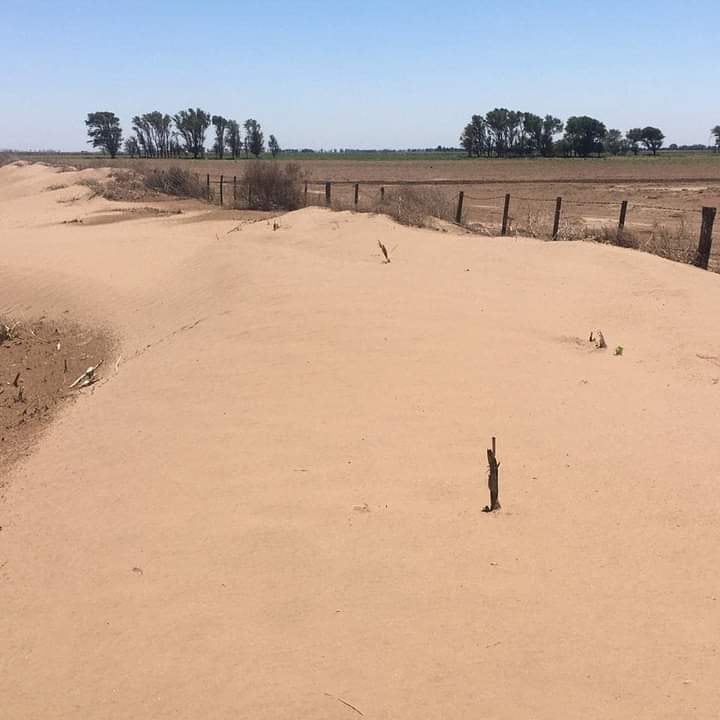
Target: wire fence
680,233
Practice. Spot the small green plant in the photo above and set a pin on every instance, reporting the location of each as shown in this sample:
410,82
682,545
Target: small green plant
619,350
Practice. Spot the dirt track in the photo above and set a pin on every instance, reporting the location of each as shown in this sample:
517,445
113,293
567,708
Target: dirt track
271,507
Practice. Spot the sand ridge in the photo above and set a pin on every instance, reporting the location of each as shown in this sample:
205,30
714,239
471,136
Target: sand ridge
272,507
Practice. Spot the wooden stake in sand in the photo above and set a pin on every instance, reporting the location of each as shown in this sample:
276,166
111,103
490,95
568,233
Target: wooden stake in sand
384,251
493,466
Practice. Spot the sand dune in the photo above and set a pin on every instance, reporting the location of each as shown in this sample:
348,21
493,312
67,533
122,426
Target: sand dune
270,507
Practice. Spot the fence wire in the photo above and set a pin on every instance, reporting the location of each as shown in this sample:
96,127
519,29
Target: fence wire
670,230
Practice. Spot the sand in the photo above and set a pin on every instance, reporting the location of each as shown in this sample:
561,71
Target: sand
270,506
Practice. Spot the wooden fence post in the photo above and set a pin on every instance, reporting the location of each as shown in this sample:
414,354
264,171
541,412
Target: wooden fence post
382,194
556,222
234,189
458,214
328,192
306,193
208,187
506,211
222,177
493,480
249,194
621,221
357,193
705,245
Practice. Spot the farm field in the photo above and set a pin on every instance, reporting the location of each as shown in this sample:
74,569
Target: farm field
703,166
270,503
665,193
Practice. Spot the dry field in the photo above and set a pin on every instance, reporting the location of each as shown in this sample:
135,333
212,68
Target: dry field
665,194
270,504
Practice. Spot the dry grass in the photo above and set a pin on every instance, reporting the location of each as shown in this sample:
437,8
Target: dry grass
272,186
7,157
132,186
174,181
676,244
536,224
416,206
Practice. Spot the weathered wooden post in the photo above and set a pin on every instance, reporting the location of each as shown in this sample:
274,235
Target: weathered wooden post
382,194
556,222
621,221
493,479
222,177
705,245
506,212
208,187
306,193
328,193
234,189
249,195
357,193
458,213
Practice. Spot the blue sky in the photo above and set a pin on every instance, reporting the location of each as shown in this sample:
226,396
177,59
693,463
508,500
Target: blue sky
357,74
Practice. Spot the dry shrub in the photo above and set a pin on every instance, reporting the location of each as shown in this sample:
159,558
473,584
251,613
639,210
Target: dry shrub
533,223
175,181
677,244
537,224
7,157
131,185
120,185
415,206
608,235
673,244
272,186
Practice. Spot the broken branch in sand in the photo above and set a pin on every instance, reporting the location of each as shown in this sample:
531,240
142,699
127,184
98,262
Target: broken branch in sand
88,377
345,702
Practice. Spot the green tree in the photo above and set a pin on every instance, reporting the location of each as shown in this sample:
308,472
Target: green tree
716,132
192,124
652,138
220,124
161,124
530,134
634,138
233,138
473,136
562,147
614,142
551,127
104,131
584,135
273,146
143,134
254,139
497,122
152,131
131,147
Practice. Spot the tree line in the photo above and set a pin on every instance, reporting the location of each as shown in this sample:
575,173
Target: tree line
159,135
509,133
716,133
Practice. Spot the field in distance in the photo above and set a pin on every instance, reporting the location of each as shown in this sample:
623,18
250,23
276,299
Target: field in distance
442,166
665,193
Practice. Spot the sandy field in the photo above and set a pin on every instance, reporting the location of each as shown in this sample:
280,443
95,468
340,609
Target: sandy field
270,505
665,193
